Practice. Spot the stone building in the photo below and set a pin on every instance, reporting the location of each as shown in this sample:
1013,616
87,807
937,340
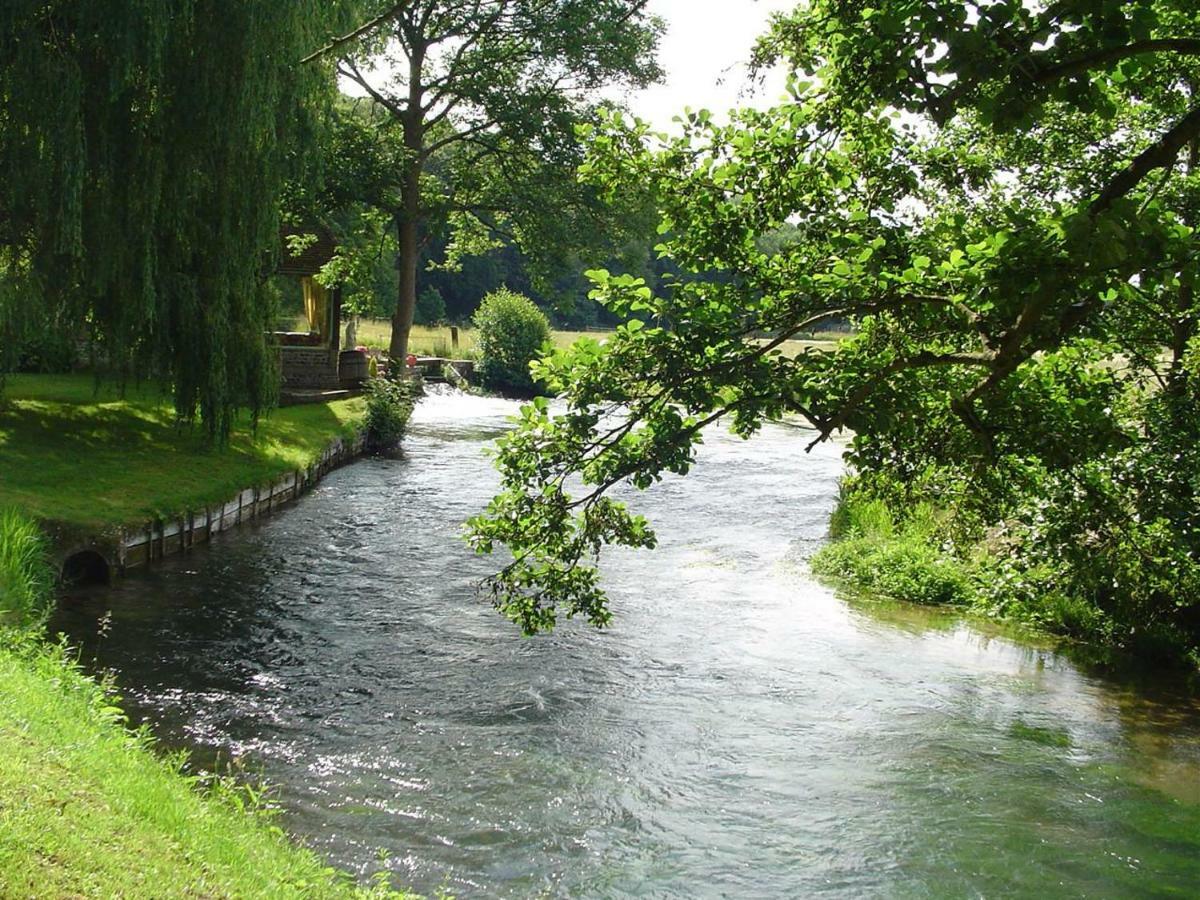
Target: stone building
309,359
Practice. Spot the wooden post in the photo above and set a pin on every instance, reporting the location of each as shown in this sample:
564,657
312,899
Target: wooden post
454,336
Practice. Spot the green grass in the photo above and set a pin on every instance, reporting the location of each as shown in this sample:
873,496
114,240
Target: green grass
75,453
88,810
435,340
25,577
900,561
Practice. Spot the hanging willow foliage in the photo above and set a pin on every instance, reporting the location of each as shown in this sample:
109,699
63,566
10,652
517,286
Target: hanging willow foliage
143,147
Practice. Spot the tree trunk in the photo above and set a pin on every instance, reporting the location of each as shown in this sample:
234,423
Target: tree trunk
1183,328
406,301
408,218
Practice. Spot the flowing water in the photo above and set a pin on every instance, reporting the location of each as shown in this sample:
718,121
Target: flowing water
739,731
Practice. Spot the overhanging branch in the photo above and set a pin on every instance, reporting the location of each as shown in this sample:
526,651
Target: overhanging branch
357,32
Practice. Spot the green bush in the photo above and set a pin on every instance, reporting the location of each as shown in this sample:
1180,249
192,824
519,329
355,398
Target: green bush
903,568
389,407
26,581
430,308
512,333
45,352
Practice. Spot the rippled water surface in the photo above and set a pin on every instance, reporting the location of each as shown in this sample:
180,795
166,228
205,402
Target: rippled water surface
738,732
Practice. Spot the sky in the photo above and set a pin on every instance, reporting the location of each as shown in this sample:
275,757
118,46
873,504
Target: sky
704,54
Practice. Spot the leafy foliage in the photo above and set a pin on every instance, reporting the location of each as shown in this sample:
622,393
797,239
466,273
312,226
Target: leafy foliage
390,405
143,147
513,333
471,131
1003,200
899,562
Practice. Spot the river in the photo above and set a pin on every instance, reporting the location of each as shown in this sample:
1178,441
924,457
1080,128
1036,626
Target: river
740,731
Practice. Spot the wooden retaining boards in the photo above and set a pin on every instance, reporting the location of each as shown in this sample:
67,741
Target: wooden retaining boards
133,547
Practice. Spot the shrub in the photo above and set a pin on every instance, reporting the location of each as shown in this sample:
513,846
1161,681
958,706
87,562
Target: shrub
430,308
389,407
904,568
512,334
47,352
901,558
26,581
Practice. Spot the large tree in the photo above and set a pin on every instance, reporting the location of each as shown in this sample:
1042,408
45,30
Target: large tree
483,98
1003,196
143,146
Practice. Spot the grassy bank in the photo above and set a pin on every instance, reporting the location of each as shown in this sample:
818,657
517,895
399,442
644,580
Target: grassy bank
913,557
88,809
74,452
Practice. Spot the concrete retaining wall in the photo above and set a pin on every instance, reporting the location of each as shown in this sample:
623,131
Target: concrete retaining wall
132,547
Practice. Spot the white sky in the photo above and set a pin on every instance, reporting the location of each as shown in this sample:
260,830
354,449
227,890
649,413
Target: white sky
704,54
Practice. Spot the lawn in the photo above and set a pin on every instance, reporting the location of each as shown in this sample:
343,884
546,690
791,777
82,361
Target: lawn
75,452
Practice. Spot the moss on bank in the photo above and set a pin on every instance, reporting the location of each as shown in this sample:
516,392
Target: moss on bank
75,452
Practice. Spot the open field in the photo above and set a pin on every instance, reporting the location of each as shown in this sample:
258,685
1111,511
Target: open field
428,340
76,452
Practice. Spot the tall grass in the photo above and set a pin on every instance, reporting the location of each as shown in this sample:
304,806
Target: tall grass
901,559
26,580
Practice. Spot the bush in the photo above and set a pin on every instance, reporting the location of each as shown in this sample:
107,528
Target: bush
47,352
430,308
512,333
389,407
898,558
904,568
26,581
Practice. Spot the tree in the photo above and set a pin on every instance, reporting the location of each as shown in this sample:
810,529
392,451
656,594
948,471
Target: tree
143,147
1002,197
482,99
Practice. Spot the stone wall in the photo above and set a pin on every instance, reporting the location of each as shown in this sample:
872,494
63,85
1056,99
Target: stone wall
309,367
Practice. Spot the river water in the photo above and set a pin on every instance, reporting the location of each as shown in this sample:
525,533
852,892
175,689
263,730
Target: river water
739,731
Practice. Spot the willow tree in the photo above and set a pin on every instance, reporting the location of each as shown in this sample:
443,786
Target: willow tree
1004,197
485,97
143,146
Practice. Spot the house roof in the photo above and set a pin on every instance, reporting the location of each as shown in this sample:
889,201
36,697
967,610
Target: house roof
313,257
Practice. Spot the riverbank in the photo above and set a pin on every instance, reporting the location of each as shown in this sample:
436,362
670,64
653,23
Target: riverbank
913,558
88,809
87,806
817,748
82,454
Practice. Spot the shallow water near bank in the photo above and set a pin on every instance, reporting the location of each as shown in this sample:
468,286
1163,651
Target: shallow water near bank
739,731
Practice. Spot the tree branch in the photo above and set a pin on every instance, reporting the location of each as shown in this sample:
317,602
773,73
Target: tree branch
1086,63
1164,152
357,32
923,360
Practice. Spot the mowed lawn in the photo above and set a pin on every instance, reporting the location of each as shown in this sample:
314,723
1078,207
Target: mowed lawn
75,452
